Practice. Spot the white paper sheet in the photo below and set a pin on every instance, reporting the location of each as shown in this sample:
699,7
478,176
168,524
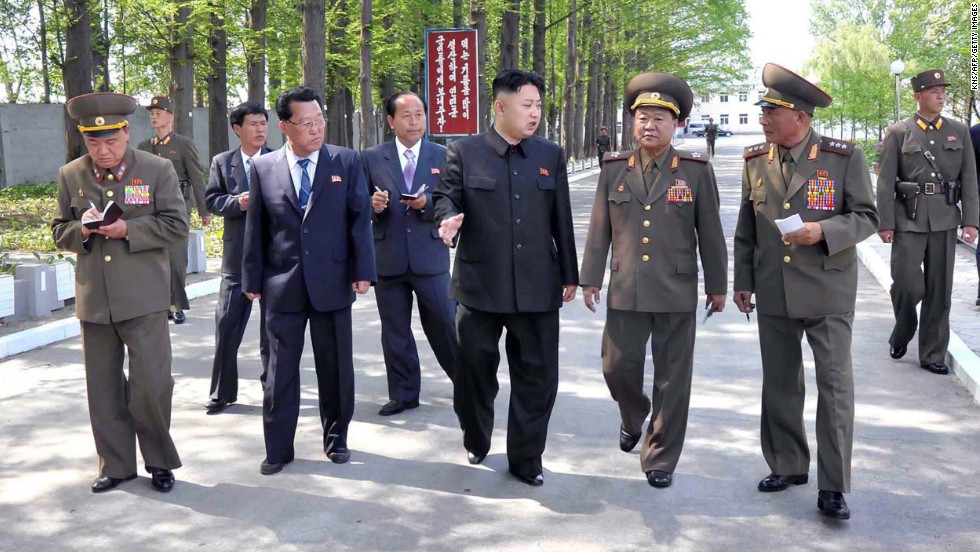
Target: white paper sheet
789,225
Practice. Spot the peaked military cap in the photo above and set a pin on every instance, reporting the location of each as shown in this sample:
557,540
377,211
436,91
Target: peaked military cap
928,79
660,90
101,114
161,102
787,89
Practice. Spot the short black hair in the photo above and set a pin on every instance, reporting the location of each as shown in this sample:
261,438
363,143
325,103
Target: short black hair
237,115
298,94
512,80
390,102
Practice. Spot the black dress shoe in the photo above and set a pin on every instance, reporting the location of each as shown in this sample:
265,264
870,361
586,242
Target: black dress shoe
179,317
337,451
106,483
659,479
627,442
217,405
269,468
937,368
534,480
832,505
162,480
898,352
776,482
474,458
396,406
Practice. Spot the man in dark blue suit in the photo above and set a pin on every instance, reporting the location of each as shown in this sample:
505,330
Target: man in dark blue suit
410,255
227,196
308,249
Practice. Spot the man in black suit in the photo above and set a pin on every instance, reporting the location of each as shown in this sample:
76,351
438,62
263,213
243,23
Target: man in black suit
227,197
308,249
515,266
409,253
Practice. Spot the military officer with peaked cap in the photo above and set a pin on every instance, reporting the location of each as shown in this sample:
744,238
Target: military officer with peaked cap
122,284
656,207
933,157
805,282
182,152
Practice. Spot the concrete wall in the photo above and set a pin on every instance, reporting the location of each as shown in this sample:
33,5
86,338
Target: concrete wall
32,140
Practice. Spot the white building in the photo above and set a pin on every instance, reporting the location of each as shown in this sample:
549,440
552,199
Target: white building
733,109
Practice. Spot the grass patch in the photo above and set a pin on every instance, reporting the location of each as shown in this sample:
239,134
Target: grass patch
26,211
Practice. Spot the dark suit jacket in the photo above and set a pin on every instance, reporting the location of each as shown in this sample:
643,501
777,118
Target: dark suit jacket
225,183
403,240
295,259
516,245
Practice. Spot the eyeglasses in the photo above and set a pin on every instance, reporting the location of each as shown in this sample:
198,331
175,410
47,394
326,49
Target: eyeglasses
310,125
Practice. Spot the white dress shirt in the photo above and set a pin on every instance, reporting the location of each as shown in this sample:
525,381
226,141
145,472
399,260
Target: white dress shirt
401,153
294,168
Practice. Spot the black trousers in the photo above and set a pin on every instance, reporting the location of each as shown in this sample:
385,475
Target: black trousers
438,315
333,358
230,319
532,354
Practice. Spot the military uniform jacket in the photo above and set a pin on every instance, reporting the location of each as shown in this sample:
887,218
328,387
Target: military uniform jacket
182,152
117,280
655,237
831,186
903,159
516,247
226,182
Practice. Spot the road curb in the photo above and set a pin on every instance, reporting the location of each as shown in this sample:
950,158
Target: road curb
964,362
67,328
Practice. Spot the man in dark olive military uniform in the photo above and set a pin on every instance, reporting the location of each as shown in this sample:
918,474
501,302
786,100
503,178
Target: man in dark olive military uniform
805,281
182,152
928,173
710,135
656,206
602,143
122,288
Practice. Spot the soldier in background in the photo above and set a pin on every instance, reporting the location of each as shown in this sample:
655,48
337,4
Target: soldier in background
182,152
710,135
928,173
602,143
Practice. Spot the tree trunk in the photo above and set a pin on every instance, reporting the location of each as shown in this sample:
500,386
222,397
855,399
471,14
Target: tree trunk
593,108
579,120
478,17
571,63
510,31
217,81
388,85
553,134
100,47
609,108
368,137
538,54
255,54
314,49
340,108
44,54
457,13
182,70
77,68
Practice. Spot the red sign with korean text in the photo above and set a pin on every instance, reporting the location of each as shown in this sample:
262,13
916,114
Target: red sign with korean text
452,82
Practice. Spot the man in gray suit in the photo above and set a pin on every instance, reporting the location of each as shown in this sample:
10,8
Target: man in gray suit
656,206
926,165
805,281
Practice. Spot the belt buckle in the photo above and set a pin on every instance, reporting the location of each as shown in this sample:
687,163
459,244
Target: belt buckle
929,188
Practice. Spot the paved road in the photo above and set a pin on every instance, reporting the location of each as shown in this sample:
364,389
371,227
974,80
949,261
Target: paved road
409,487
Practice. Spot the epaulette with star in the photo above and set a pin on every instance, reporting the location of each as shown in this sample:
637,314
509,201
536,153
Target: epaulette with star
756,150
840,147
614,156
692,156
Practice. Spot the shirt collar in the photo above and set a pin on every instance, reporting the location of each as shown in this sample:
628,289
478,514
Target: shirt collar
797,151
117,173
165,140
293,158
416,149
502,146
926,124
660,160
